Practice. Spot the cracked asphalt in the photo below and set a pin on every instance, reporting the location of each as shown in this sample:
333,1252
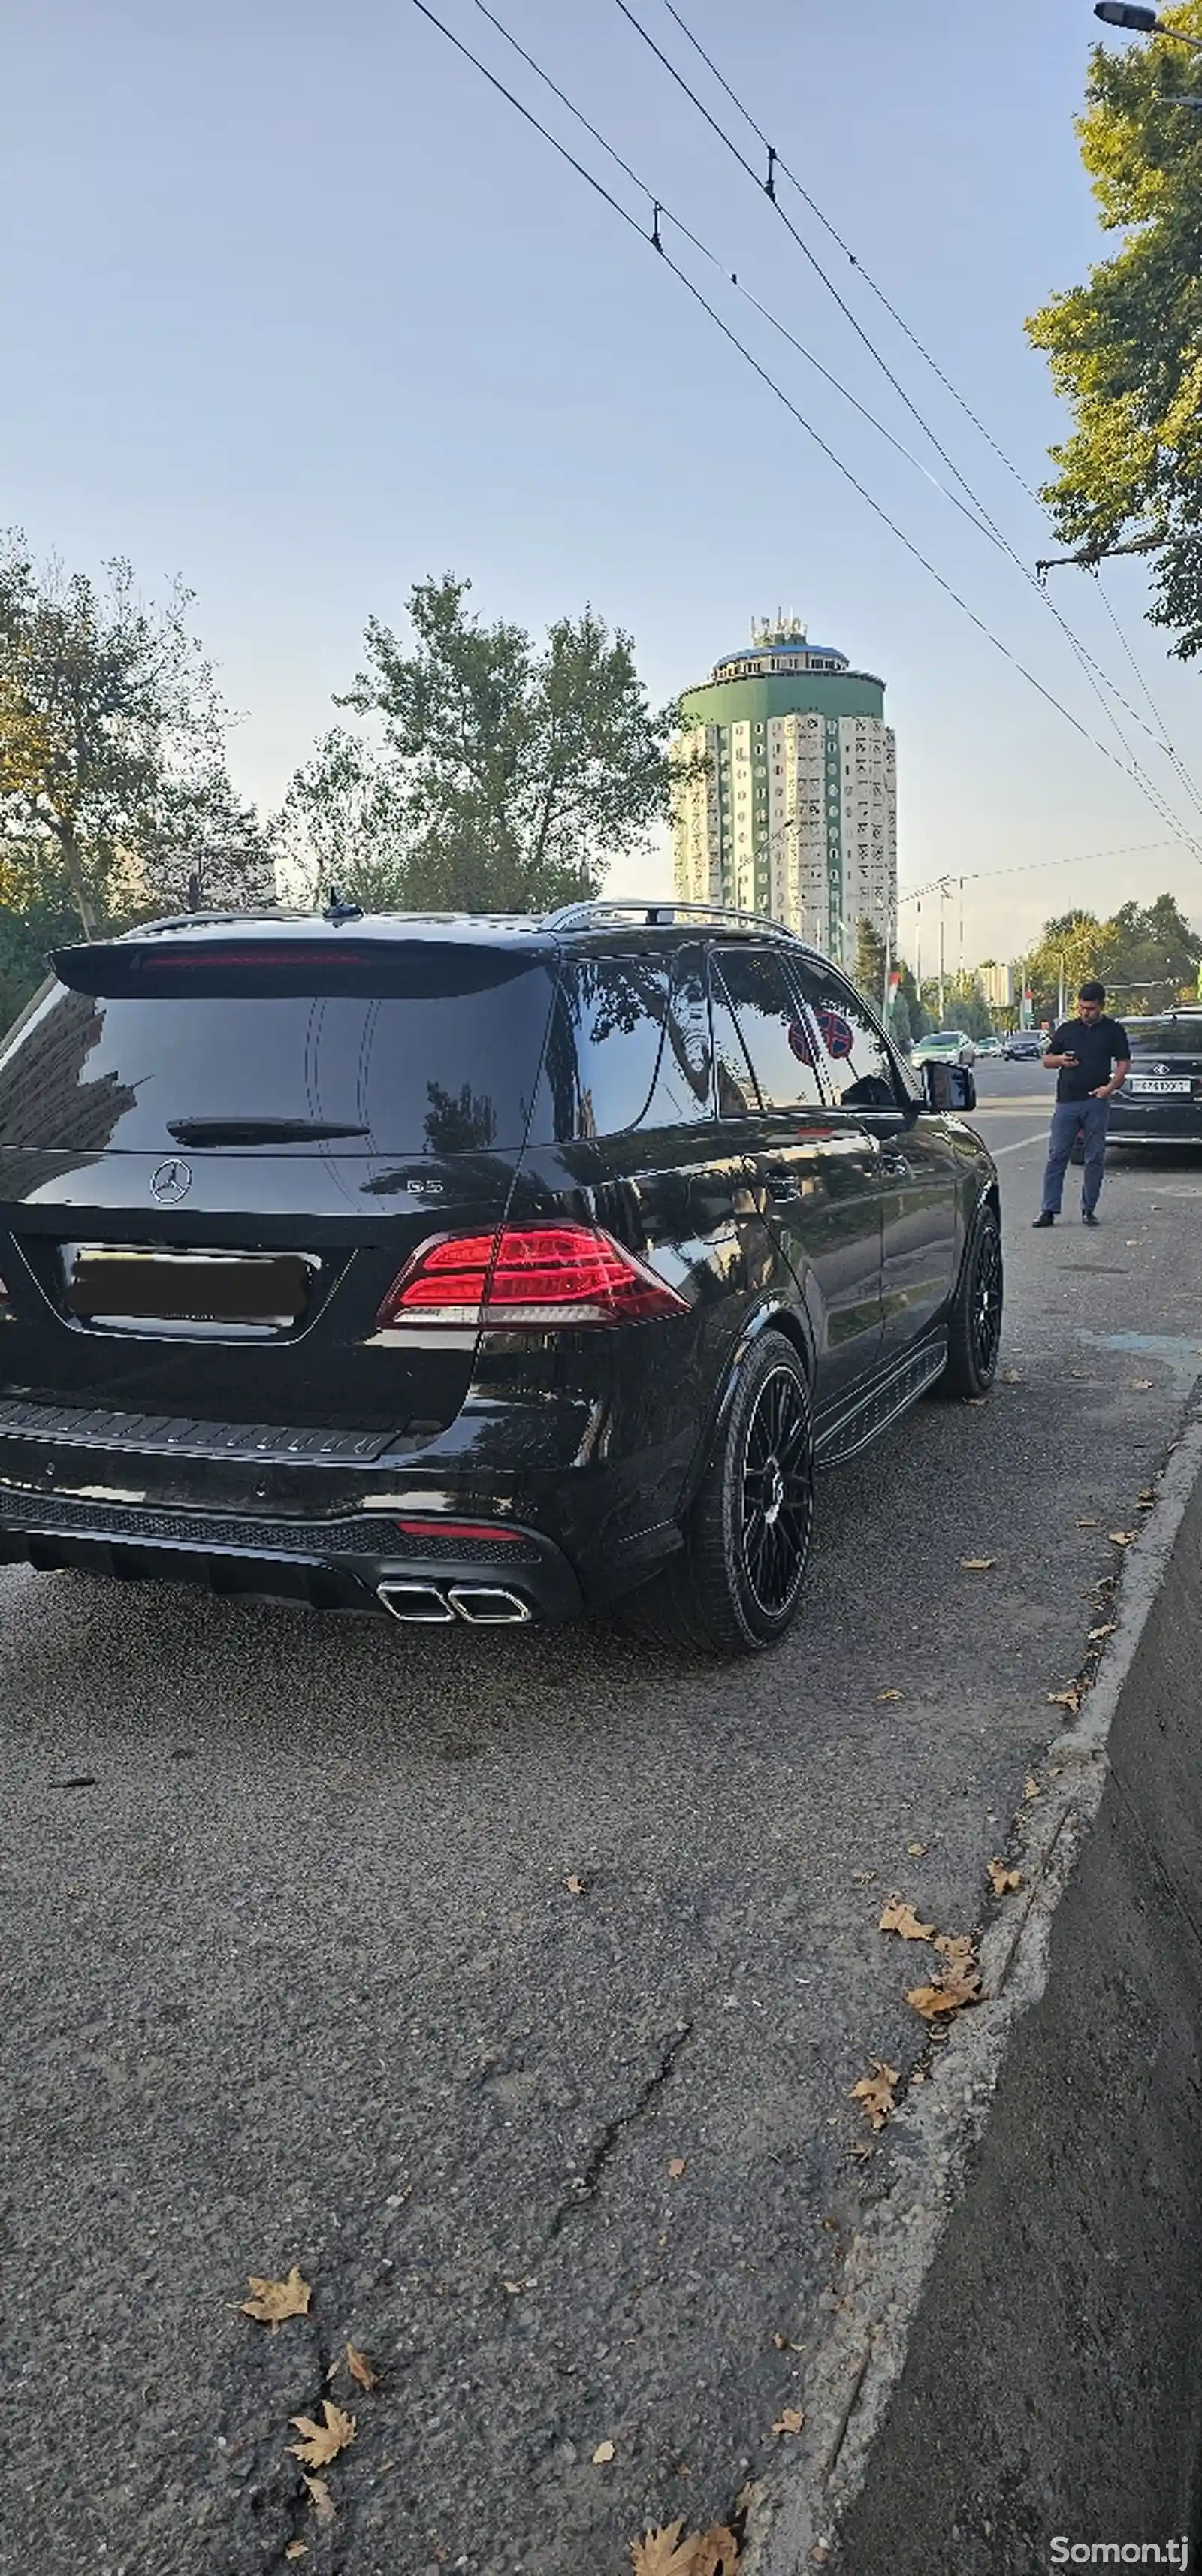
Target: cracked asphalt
293,1974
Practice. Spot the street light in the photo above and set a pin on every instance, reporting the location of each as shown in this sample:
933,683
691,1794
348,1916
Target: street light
1141,22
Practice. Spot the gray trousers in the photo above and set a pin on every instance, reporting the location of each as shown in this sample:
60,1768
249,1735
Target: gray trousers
1092,1117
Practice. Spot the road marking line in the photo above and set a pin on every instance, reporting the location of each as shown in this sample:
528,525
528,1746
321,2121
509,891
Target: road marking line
1019,1142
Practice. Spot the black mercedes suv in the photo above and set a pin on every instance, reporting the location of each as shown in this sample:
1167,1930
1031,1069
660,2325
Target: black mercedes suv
476,1269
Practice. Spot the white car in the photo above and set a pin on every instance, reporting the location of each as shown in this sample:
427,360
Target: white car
945,1046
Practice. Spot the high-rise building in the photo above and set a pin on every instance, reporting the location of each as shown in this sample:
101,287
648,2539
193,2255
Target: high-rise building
997,985
793,811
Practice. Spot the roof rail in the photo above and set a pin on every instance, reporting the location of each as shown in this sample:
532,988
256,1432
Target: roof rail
577,916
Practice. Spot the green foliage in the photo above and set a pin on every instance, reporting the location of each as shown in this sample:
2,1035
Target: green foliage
869,970
113,784
1125,350
496,777
1146,957
916,1012
25,938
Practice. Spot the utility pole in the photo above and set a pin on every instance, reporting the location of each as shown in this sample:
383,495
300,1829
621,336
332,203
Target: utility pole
942,896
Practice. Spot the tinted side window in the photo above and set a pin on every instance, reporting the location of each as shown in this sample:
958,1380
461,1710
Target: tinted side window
604,1047
772,1028
858,1066
682,1092
734,1081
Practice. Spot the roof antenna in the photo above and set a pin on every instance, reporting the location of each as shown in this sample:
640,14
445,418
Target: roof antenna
336,910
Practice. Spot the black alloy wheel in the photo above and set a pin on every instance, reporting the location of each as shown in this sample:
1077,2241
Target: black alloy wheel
734,1586
778,1493
974,1331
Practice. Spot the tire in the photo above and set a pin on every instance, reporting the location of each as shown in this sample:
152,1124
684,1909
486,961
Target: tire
735,1585
975,1321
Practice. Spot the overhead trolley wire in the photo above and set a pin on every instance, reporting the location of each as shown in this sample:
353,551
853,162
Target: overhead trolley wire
655,242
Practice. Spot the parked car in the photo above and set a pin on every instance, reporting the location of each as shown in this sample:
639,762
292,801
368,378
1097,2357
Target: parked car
945,1046
988,1046
1022,1045
471,1269
1161,1100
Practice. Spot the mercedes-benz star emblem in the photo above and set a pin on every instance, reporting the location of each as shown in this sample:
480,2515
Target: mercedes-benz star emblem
170,1183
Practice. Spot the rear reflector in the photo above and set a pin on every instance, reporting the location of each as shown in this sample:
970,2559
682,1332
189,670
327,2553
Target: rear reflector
460,1529
548,1277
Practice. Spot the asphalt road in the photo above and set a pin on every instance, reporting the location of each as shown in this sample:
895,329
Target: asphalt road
294,1974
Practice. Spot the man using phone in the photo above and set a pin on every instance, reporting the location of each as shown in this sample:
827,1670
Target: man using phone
1090,1057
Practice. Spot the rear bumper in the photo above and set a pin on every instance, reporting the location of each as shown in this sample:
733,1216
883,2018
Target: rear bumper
1155,1122
557,1534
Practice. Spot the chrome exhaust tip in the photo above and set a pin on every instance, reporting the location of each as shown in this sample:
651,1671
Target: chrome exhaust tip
421,1605
485,1605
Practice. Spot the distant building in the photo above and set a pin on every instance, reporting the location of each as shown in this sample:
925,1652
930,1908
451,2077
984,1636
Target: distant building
796,814
998,986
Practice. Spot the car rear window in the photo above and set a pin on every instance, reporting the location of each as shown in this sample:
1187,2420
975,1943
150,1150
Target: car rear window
1166,1037
422,1046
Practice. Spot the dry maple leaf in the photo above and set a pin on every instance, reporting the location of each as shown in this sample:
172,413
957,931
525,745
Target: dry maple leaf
1002,1879
319,2497
715,2552
1010,1377
901,1918
322,2442
1031,1788
603,2455
789,2420
1070,1698
360,2368
1096,1634
677,2165
296,2549
671,2551
916,1850
1121,1538
574,1886
933,2000
978,1564
891,1694
876,2092
272,2301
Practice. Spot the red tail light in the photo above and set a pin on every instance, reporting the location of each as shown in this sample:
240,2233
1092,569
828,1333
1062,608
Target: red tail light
543,1276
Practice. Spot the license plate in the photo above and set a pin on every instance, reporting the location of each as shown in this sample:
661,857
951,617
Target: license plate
1158,1083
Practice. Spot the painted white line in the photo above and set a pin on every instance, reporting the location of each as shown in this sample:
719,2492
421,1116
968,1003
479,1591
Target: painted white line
1040,1138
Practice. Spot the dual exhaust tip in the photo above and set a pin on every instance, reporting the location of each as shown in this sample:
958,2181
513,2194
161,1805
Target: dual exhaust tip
430,1605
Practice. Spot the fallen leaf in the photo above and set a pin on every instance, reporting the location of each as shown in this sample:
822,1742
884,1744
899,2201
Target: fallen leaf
603,2455
783,2344
977,1564
789,2420
862,1877
1031,1787
876,2092
1002,1879
1141,1384
901,1918
959,1949
671,2551
1096,1634
296,2549
574,1886
360,2368
931,2000
319,2497
862,2149
1010,1377
272,2301
1131,1241
676,2166
975,1399
715,2552
1070,1698
890,1694
916,1850
1090,1521
322,2442
1121,1538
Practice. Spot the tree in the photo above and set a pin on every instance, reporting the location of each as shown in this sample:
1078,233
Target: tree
1146,957
916,1013
343,823
505,778
1125,350
112,745
870,963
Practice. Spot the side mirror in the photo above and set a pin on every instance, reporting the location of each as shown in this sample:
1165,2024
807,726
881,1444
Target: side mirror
948,1087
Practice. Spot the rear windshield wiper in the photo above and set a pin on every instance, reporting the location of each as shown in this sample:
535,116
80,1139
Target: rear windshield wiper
256,1131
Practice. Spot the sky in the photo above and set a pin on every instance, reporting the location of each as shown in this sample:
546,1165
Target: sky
293,305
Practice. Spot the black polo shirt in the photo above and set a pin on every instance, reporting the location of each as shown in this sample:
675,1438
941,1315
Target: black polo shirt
1098,1046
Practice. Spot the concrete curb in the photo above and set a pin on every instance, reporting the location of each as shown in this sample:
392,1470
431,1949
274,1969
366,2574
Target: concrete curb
798,2510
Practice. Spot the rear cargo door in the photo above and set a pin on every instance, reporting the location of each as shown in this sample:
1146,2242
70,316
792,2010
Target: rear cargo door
217,1154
